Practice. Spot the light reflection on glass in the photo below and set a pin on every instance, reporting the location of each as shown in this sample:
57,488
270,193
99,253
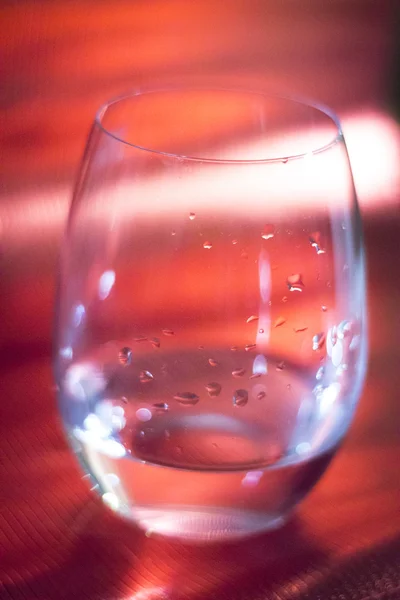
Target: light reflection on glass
375,170
111,500
79,313
106,283
252,478
109,447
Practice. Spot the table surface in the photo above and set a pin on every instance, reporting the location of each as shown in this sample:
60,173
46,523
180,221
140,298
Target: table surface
57,540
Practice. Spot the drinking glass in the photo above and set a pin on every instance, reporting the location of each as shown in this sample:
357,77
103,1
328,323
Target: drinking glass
210,331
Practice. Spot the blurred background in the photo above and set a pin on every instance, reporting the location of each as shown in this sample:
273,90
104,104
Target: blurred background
61,60
58,62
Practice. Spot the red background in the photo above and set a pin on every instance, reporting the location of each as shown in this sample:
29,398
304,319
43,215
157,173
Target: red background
58,62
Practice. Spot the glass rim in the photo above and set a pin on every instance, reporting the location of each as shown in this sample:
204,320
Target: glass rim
297,99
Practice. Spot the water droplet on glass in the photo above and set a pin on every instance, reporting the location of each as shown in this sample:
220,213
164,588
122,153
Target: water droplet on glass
344,330
315,241
187,398
161,406
320,373
212,362
251,319
289,386
140,338
213,389
318,341
124,399
261,331
244,254
240,398
145,377
125,356
268,232
167,434
255,375
214,445
155,342
285,160
284,299
200,347
324,308
207,245
143,414
192,216
261,395
234,242
300,328
280,366
173,232
295,283
239,372
234,348
250,347
279,321
168,332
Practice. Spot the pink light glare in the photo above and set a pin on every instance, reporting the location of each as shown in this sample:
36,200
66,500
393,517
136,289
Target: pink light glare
373,142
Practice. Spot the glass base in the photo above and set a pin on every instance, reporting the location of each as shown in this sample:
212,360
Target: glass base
206,526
